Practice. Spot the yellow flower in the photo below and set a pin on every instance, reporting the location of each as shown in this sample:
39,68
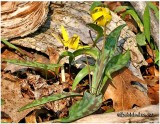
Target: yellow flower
72,43
101,16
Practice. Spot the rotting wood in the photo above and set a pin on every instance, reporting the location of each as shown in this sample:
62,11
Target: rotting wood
19,19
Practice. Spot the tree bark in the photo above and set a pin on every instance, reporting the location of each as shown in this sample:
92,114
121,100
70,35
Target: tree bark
139,6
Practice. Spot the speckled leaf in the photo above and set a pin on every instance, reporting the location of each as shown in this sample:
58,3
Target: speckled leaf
86,106
51,98
116,63
112,38
34,64
121,8
11,46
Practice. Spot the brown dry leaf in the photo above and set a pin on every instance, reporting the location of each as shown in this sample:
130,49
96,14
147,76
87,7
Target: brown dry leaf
123,94
153,71
40,58
132,25
31,118
5,118
10,54
53,55
149,60
151,52
151,80
153,93
11,93
113,5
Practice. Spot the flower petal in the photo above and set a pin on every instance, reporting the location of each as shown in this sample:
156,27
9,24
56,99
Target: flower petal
64,33
57,38
74,42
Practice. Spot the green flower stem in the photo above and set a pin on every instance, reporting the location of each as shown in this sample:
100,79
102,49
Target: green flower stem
101,68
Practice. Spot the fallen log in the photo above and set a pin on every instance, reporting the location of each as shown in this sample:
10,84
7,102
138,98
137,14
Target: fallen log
149,114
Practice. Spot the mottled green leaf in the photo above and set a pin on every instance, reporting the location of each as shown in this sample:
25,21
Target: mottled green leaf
110,47
84,72
98,29
146,22
95,4
141,40
51,98
86,106
11,46
115,64
34,64
112,38
135,17
121,8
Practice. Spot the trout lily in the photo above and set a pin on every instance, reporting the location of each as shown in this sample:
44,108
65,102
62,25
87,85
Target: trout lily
101,16
71,43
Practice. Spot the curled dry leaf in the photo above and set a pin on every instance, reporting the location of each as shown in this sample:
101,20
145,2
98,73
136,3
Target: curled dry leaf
125,92
22,18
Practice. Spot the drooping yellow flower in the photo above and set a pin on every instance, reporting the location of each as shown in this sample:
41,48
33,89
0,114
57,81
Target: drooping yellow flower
72,43
101,16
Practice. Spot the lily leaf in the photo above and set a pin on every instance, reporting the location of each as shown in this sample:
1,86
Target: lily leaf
146,22
98,29
93,52
110,46
51,98
84,72
135,17
112,38
95,4
115,64
121,8
141,40
11,46
86,106
34,64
